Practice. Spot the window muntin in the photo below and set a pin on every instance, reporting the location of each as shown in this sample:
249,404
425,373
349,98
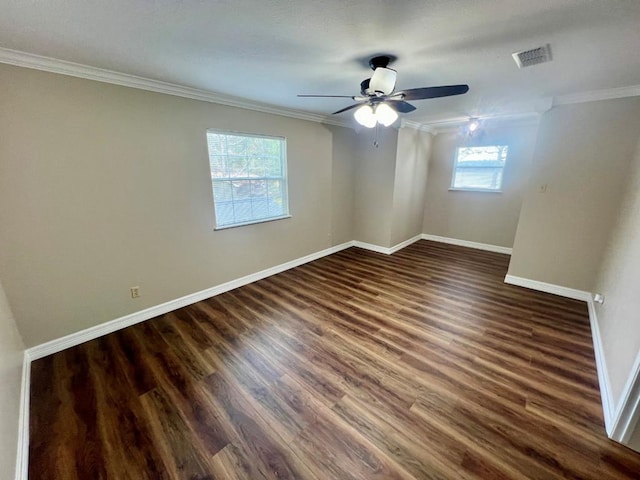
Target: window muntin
249,178
479,168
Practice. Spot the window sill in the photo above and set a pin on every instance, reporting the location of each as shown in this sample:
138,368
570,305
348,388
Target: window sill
252,222
484,190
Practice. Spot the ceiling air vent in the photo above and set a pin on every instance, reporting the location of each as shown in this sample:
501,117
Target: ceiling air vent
527,58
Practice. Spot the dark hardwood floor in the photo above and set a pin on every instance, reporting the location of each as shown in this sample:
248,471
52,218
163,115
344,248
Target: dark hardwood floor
419,365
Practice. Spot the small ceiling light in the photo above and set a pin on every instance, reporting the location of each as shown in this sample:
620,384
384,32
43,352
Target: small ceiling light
472,130
365,116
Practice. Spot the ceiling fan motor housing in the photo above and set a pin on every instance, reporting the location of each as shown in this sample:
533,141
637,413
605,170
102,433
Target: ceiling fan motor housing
382,61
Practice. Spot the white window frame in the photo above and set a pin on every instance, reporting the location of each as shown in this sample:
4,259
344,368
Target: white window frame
282,178
477,189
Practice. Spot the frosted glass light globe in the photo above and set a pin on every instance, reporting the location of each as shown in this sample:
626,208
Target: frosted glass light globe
364,116
385,114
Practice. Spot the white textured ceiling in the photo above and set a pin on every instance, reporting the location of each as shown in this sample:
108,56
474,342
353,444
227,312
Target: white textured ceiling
271,50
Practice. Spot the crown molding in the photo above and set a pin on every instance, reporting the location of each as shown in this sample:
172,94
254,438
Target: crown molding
595,95
451,124
339,122
63,67
532,117
416,125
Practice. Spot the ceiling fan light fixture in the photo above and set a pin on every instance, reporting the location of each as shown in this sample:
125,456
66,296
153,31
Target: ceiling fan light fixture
385,114
377,102
365,116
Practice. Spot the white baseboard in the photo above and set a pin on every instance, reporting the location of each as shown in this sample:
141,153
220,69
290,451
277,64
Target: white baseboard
372,247
548,288
73,339
91,333
465,243
22,456
627,413
603,374
386,250
620,420
57,345
404,244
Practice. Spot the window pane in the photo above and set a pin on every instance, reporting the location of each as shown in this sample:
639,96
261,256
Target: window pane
222,192
276,206
248,177
258,188
274,188
256,167
242,210
217,144
273,166
238,166
218,164
260,207
478,178
480,167
236,145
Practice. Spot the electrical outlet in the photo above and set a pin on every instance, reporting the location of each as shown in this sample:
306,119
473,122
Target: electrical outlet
135,292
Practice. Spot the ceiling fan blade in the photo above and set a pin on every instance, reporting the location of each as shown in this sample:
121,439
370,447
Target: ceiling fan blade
383,80
433,92
347,108
327,96
400,106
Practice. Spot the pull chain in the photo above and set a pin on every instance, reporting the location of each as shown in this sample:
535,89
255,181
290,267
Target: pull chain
375,137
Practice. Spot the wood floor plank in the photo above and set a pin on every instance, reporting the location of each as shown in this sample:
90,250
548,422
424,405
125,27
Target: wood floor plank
233,463
53,421
418,365
267,448
411,443
185,393
117,421
181,457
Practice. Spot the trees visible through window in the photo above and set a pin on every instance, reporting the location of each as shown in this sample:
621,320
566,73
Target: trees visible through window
249,176
479,168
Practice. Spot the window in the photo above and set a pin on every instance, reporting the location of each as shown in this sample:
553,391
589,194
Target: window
249,176
479,168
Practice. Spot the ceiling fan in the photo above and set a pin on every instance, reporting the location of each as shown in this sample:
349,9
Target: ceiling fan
378,103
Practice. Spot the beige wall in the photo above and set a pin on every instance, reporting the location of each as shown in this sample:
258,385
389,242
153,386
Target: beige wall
105,187
373,186
11,352
389,184
619,281
483,217
582,154
410,184
342,198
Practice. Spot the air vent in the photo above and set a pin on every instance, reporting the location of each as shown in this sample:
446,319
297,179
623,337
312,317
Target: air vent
527,58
